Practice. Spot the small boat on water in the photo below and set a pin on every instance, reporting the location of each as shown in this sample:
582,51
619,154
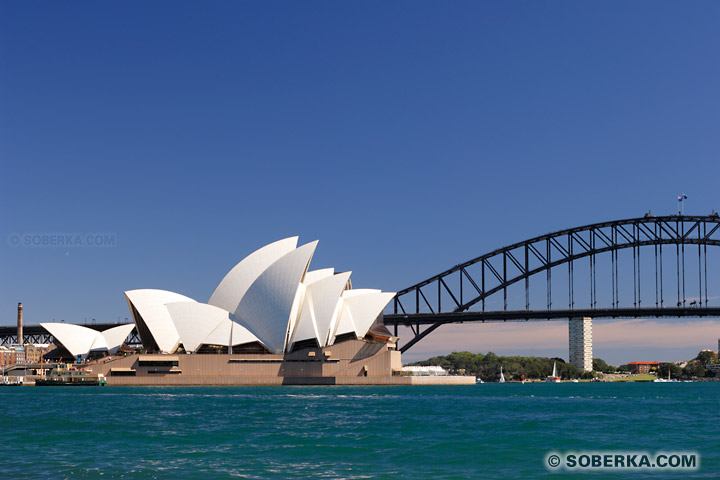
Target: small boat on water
664,380
553,378
502,377
68,375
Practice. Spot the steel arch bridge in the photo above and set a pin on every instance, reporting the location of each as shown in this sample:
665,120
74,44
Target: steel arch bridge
458,295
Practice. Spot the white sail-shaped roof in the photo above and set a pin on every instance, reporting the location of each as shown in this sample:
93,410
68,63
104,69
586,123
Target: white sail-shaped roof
150,304
236,283
75,338
115,336
99,344
80,341
195,321
230,328
343,323
270,297
314,275
295,312
320,308
267,306
327,311
305,328
365,309
359,309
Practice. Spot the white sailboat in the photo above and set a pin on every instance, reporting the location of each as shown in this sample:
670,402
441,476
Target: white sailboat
663,380
502,377
553,378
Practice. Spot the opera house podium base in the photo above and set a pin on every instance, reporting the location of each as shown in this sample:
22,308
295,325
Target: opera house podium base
351,362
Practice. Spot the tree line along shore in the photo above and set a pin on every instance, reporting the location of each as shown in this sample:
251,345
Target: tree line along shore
487,367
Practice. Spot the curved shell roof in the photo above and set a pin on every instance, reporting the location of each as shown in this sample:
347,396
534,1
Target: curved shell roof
115,336
267,306
359,310
320,308
80,341
99,344
75,338
150,304
234,286
202,324
195,321
315,275
365,309
269,297
228,329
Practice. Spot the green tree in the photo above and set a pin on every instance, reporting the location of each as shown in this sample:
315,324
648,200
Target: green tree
706,356
488,366
599,365
568,371
675,371
694,369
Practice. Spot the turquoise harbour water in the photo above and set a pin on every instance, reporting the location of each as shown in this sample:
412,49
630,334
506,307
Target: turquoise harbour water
482,431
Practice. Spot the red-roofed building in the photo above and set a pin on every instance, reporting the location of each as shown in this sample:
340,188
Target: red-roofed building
642,367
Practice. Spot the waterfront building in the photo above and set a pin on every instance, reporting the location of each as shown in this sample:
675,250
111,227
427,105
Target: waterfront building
19,354
270,321
270,302
580,340
34,352
7,355
642,367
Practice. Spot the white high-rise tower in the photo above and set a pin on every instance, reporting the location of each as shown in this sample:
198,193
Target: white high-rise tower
580,339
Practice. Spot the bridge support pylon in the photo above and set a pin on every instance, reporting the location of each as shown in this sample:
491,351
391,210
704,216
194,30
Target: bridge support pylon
580,340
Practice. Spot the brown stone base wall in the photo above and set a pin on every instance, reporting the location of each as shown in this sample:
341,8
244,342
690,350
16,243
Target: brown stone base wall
352,362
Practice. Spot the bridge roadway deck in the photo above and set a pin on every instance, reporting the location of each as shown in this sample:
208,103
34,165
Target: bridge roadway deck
414,319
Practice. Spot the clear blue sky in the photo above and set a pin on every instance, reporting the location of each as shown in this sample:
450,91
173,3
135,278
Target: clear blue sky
405,136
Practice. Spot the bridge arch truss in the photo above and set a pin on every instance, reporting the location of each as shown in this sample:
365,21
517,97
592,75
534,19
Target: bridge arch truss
459,294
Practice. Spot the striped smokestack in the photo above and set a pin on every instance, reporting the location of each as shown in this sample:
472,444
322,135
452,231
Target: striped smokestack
20,326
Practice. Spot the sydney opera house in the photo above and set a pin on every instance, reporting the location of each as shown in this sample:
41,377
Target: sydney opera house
271,320
269,302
